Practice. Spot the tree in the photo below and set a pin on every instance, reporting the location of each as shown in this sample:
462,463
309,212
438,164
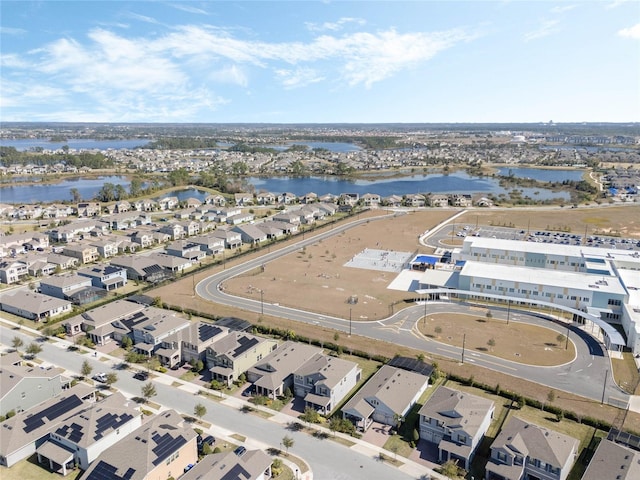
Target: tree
492,343
438,331
153,363
112,378
148,390
86,368
199,411
561,338
489,314
126,342
17,343
420,357
75,195
287,442
451,469
310,415
551,396
33,349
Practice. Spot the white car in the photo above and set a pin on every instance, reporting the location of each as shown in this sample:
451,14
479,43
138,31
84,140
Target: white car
100,377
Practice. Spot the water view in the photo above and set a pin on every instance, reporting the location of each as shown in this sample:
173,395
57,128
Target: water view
25,144
458,182
541,174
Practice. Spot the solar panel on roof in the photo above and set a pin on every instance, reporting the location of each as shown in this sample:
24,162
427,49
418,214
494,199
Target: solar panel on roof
51,413
245,344
411,365
165,445
105,471
110,421
207,331
236,473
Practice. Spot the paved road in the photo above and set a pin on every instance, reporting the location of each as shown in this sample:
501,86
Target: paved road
585,376
329,460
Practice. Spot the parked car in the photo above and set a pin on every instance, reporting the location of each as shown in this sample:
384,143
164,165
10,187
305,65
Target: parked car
240,451
100,377
141,375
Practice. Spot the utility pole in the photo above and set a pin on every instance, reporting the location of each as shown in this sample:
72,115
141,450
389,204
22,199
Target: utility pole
350,321
464,338
508,311
566,344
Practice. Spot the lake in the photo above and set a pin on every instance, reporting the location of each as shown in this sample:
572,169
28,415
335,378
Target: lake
457,182
24,144
542,174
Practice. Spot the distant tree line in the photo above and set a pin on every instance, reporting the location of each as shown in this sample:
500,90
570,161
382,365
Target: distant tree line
11,156
177,143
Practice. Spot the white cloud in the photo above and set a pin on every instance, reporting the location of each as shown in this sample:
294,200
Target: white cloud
232,74
562,9
188,8
615,4
334,26
546,28
298,77
631,32
12,31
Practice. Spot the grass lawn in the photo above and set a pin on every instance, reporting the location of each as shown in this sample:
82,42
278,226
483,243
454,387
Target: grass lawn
188,375
398,446
29,469
626,373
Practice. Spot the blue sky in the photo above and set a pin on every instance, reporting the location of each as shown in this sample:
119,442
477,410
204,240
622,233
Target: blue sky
320,62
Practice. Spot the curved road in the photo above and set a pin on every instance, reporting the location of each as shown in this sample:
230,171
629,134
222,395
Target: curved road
588,375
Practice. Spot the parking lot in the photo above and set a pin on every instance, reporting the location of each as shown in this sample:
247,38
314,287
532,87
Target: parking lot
443,237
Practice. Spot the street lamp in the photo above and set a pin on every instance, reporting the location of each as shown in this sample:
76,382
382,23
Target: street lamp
464,338
508,311
350,321
261,302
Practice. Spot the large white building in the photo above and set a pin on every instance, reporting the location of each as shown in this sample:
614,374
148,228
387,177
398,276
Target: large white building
595,284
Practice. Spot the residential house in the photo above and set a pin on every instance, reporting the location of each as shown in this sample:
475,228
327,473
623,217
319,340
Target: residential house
168,203
194,340
324,381
64,286
88,209
240,218
460,200
252,465
438,200
81,438
23,387
287,198
455,421
144,239
163,447
64,262
265,198
83,252
524,450
142,268
160,324
231,239
243,199
273,374
234,354
272,230
613,461
33,306
171,263
289,217
209,244
310,197
393,201
74,231
175,231
99,322
190,228
22,433
386,398
108,277
329,209
186,249
250,234
192,202
13,272
217,200
107,247
371,200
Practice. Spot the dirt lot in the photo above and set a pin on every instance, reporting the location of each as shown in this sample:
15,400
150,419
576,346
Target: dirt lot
518,342
605,220
316,279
